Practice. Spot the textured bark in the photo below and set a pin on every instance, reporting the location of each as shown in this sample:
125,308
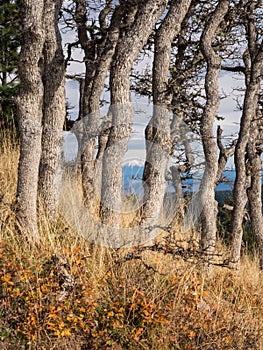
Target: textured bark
126,52
92,119
247,142
29,103
85,140
255,189
54,112
89,48
253,63
158,139
207,188
98,56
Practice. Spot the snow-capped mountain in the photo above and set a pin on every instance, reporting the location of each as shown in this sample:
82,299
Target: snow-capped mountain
135,162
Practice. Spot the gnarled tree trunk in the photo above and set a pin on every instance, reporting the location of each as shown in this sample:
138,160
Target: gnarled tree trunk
91,177
54,112
157,133
98,55
207,188
30,103
253,60
255,190
126,52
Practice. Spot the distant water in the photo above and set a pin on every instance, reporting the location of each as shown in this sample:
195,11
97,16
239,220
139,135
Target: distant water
227,181
132,181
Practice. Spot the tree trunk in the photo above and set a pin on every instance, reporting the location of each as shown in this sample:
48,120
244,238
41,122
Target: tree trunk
90,167
126,52
89,48
30,103
86,148
253,70
207,188
255,189
158,139
93,85
54,112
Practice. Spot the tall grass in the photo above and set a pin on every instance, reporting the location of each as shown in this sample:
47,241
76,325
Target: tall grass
69,294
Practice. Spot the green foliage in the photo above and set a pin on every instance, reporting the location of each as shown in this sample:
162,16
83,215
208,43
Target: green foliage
9,51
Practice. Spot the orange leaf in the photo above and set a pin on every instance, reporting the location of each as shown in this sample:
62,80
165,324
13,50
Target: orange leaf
192,334
138,333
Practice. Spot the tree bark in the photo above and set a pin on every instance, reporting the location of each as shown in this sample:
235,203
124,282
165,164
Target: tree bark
98,52
30,103
157,133
253,62
92,119
54,112
126,52
207,188
255,190
89,48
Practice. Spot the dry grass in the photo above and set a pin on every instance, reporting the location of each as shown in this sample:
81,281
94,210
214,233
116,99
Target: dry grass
69,294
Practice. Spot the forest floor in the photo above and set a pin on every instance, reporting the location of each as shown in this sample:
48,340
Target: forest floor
67,294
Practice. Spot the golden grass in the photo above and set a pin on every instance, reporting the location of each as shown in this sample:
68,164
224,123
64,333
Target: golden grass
127,299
